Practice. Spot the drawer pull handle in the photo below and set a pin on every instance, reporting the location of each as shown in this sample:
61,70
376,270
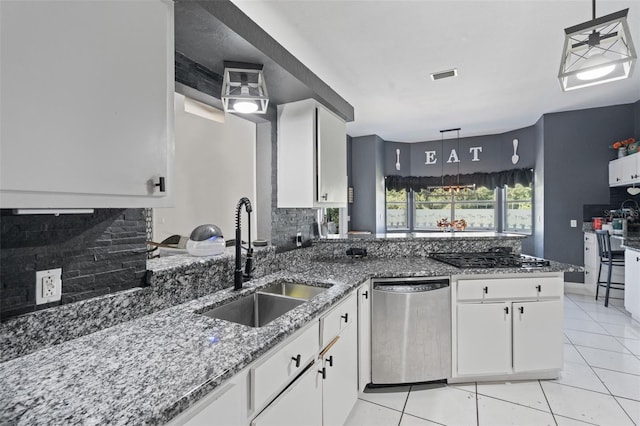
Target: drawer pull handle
160,184
506,310
323,372
522,309
366,294
539,287
330,361
637,259
345,317
297,359
486,290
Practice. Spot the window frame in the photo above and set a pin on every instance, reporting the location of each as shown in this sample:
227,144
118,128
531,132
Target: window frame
505,208
500,209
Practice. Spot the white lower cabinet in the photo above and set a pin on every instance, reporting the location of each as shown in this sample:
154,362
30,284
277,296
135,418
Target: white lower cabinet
537,335
300,404
364,335
325,393
271,375
223,407
340,378
591,261
484,341
506,331
632,282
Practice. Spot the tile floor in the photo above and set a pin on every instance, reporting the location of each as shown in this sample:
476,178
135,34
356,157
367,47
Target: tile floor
599,385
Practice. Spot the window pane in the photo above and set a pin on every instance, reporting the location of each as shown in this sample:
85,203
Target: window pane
519,209
477,207
333,220
397,209
431,206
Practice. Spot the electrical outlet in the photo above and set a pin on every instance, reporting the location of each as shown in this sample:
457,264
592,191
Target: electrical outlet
48,286
573,223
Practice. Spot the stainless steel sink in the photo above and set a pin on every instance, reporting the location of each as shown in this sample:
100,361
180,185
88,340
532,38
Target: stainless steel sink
255,310
297,290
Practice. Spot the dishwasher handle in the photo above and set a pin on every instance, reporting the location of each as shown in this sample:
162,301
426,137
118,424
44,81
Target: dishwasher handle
410,287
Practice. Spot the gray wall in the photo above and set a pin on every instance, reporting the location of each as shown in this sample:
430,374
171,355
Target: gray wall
569,152
576,157
496,154
367,178
538,194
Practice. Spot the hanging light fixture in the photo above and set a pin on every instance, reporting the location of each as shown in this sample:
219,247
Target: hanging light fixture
243,88
457,187
597,51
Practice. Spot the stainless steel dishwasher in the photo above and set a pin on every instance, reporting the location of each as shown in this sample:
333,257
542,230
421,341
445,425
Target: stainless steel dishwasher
410,330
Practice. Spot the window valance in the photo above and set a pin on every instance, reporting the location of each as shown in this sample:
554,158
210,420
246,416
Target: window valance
489,180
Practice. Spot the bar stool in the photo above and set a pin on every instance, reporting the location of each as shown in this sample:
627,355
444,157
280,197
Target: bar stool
611,258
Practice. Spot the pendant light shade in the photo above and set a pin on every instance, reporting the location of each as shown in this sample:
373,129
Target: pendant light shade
597,51
243,89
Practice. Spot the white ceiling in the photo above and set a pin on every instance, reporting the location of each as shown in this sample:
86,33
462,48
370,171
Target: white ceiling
378,56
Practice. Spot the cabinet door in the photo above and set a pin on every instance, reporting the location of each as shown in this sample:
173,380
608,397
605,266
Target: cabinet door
591,260
87,103
331,158
224,408
615,173
537,336
300,404
340,386
632,282
483,338
623,171
364,336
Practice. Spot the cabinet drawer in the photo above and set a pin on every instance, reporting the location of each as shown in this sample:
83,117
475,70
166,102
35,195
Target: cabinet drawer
300,404
509,288
271,375
340,317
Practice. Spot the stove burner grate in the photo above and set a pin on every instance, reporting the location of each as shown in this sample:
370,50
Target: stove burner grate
488,260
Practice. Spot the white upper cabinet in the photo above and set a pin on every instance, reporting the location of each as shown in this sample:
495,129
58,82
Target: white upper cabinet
87,103
625,170
312,156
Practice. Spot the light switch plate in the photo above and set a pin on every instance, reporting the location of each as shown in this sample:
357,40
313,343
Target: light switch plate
574,223
48,286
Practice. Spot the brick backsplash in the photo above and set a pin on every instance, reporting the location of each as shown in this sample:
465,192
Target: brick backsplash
286,223
99,253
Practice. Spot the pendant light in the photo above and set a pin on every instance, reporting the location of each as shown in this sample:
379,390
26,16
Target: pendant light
457,187
597,51
243,88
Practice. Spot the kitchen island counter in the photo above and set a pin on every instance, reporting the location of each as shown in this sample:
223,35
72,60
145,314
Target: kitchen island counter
148,370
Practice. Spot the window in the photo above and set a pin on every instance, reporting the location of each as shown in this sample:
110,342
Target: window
397,217
421,210
475,206
518,211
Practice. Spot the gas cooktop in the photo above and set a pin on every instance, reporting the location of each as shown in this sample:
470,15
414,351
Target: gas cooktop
490,259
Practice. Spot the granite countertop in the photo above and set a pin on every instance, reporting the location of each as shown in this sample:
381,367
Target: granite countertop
408,236
148,370
631,240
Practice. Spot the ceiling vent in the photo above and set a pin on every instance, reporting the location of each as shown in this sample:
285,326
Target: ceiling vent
444,74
